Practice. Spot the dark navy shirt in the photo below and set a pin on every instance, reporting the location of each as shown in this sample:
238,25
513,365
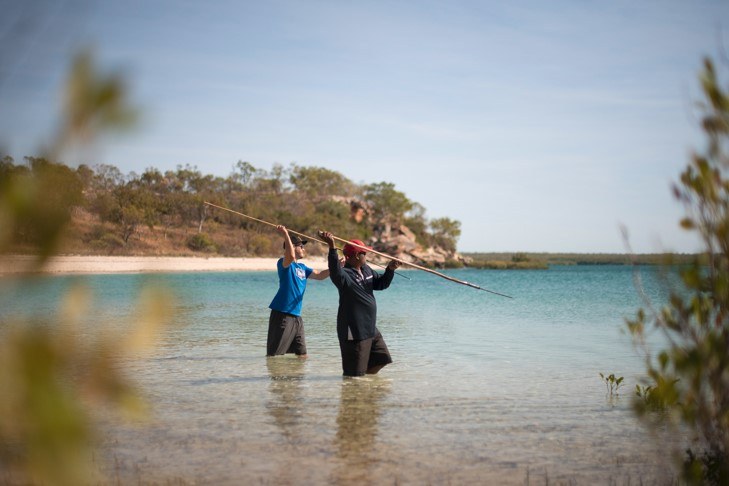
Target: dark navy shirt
357,314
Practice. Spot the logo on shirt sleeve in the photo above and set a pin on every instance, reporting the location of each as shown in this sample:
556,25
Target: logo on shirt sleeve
301,273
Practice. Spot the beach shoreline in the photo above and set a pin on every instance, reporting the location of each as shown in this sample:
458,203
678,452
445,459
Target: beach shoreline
93,264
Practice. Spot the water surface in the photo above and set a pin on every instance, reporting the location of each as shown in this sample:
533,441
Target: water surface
483,389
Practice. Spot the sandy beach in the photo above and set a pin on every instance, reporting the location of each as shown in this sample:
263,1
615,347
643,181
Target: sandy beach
18,264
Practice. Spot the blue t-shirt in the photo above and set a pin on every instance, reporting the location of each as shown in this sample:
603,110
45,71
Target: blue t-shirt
291,287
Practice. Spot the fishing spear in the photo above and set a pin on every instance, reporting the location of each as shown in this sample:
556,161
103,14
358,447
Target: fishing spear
414,265
289,230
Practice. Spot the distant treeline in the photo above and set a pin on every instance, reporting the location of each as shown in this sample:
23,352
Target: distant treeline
543,260
104,211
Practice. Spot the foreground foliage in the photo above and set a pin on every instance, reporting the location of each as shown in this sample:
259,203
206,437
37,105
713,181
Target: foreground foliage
57,373
689,379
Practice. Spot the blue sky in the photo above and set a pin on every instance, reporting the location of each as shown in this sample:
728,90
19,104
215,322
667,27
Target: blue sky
541,126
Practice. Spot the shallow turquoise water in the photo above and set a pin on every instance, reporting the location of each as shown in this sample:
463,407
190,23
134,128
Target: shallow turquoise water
483,388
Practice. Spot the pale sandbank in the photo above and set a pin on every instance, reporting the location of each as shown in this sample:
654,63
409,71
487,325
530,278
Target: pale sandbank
76,264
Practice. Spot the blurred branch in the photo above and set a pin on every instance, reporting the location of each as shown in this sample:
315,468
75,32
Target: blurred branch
51,374
94,103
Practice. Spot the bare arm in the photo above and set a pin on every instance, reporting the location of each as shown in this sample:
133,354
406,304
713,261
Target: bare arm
289,254
320,274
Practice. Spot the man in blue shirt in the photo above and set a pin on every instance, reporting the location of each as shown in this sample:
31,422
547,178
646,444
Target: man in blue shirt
285,325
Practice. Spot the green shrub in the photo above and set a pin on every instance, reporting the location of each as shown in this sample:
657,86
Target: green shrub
111,241
259,245
200,242
453,263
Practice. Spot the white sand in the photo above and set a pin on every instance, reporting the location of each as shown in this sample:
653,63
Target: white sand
16,264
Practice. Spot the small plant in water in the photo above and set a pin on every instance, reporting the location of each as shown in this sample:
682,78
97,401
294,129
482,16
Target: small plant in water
612,383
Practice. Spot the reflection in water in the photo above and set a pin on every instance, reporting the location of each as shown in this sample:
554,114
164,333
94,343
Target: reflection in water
285,405
358,427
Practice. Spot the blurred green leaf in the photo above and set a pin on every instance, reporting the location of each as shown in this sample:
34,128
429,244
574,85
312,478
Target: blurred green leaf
691,375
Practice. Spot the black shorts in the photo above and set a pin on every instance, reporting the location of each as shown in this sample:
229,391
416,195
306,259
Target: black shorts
285,334
360,356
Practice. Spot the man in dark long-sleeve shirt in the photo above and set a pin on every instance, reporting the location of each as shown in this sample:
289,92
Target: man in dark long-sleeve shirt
362,346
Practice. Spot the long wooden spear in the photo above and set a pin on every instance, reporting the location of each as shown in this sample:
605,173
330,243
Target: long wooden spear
449,278
289,230
425,269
